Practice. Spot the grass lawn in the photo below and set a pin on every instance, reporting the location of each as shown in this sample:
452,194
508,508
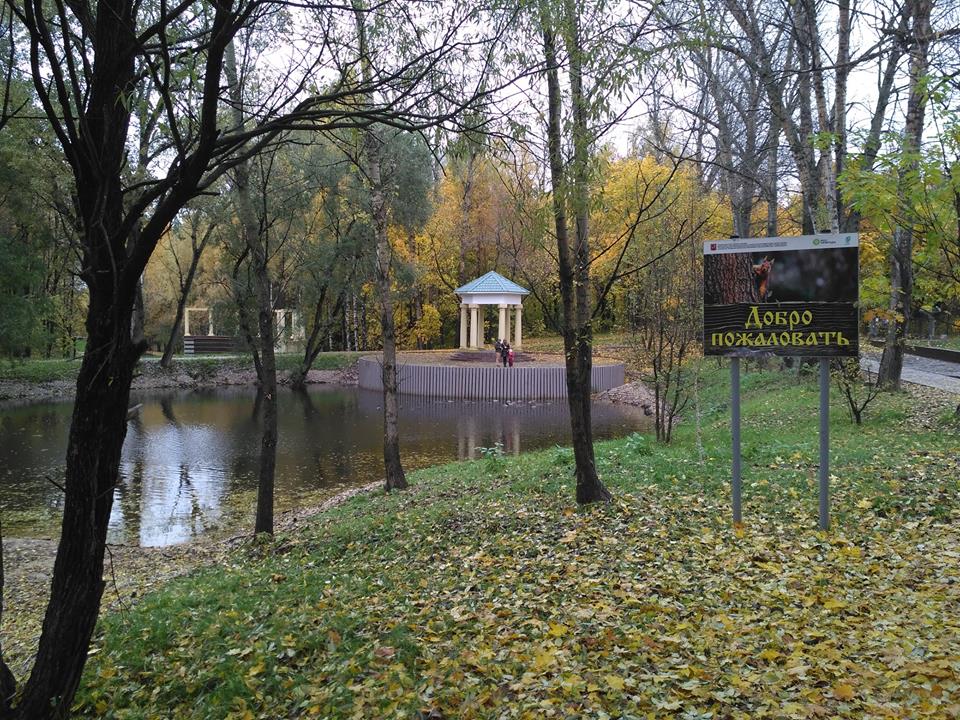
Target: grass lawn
950,343
484,592
37,371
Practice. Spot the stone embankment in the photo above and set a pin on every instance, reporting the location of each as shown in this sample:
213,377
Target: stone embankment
633,393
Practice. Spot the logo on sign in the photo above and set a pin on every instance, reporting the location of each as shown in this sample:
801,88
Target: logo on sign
713,246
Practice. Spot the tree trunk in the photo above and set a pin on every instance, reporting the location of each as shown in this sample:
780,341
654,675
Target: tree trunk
185,287
773,164
901,249
268,441
574,265
96,437
466,209
395,477
139,320
259,261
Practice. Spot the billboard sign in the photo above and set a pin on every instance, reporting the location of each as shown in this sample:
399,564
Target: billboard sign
782,295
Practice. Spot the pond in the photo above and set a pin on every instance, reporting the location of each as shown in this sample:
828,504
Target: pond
190,459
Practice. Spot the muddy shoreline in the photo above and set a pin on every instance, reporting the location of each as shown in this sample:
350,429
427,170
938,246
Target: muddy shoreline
150,376
130,572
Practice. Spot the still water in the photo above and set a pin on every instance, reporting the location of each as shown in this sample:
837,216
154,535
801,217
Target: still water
190,459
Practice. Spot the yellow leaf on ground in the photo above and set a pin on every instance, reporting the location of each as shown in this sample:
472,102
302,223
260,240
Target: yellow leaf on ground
544,659
614,681
843,691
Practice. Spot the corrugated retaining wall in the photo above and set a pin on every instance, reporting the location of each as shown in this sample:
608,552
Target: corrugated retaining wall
485,382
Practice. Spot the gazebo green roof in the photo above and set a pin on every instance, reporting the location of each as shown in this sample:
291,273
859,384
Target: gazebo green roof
493,283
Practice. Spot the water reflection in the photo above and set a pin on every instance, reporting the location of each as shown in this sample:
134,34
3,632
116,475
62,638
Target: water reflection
190,459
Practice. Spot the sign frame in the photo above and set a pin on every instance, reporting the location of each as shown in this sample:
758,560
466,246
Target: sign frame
789,296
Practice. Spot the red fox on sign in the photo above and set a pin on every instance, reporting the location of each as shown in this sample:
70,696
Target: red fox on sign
763,271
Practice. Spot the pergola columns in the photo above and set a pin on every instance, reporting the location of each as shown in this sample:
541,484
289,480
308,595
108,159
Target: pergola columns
186,319
490,289
471,325
464,326
476,334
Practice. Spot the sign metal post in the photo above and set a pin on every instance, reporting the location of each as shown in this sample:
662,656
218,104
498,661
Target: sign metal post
824,473
735,431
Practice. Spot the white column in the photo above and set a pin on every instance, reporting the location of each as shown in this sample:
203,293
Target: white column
186,321
518,333
209,321
506,325
474,323
503,317
296,330
464,325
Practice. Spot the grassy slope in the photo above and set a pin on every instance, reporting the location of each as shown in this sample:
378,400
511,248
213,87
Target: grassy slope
484,592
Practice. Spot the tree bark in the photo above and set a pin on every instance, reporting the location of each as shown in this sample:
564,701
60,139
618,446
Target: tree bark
93,457
259,261
901,248
395,477
574,262
773,164
139,320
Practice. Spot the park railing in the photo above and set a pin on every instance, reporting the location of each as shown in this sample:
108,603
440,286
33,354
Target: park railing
491,382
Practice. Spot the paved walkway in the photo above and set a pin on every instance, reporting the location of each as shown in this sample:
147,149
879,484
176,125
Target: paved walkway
923,371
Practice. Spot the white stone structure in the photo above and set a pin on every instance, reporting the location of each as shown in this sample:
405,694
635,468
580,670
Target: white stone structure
491,289
186,319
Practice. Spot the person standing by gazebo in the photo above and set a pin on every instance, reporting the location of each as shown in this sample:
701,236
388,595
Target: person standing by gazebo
498,346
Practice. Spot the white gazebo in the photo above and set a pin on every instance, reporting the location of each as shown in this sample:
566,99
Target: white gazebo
490,289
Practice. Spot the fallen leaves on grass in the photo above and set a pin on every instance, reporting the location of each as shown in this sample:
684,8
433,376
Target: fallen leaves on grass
651,608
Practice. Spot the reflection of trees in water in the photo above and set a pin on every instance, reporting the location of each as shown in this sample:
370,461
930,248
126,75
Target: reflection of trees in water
166,407
186,489
306,403
128,498
330,462
486,430
187,452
